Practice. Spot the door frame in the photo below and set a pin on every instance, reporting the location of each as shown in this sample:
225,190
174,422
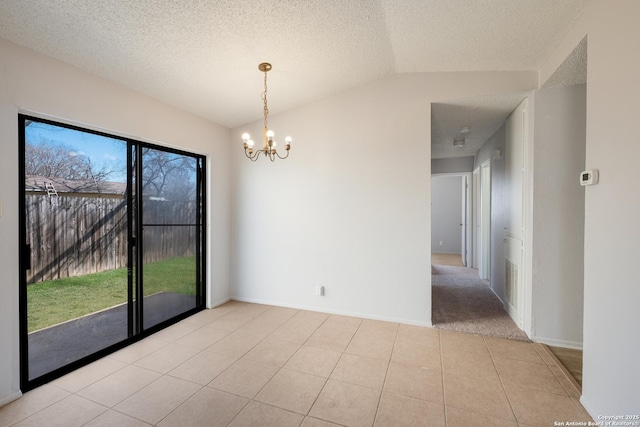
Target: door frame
27,384
466,233
475,224
484,220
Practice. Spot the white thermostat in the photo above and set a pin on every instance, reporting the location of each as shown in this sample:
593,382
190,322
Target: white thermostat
589,177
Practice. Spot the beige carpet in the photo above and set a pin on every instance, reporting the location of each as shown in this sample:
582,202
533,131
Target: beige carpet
463,302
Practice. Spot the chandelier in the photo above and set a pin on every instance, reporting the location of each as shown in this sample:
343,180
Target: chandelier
268,143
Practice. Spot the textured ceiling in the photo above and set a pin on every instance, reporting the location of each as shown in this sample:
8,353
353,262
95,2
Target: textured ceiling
573,69
202,56
473,35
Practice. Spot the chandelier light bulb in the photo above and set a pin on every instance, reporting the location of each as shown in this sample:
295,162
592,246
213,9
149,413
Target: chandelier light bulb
250,143
246,137
288,140
270,134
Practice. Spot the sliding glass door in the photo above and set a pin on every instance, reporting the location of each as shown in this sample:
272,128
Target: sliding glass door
113,244
171,242
74,212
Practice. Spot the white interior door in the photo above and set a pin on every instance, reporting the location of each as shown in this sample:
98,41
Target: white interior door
476,218
514,169
485,220
515,130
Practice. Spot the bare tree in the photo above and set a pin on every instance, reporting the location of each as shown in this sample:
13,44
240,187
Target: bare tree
164,174
168,175
57,160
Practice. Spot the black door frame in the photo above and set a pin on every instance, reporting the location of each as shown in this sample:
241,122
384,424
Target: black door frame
136,331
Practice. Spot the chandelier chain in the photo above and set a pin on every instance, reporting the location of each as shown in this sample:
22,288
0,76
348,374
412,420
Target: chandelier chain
264,98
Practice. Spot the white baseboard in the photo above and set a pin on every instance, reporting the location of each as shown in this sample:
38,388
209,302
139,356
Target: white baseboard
10,398
558,343
586,407
214,304
497,296
513,313
331,311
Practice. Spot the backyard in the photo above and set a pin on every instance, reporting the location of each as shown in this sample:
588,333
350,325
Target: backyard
56,301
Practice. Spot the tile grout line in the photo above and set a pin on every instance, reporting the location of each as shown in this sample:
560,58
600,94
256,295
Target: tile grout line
97,416
384,383
569,377
201,351
444,394
334,367
109,356
504,390
343,352
326,379
167,374
248,400
544,363
562,369
279,369
75,393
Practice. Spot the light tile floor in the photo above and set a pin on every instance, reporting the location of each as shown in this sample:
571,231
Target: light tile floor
254,365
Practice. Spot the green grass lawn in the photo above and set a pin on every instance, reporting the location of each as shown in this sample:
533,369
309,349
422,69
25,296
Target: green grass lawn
56,301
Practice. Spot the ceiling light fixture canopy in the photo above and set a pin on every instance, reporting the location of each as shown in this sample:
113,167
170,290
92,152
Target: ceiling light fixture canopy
268,143
458,142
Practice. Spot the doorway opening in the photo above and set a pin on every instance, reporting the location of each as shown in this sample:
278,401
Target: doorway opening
450,217
472,299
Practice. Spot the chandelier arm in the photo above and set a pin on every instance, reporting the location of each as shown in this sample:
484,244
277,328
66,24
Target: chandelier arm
252,157
282,158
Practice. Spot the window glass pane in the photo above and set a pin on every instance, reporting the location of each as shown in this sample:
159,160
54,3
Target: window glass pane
75,220
170,209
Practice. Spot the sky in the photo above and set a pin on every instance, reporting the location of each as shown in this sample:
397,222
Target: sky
101,150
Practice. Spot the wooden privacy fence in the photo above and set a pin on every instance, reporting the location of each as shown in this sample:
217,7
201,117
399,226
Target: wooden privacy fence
77,235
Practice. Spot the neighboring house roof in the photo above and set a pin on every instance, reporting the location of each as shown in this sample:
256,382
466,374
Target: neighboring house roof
37,183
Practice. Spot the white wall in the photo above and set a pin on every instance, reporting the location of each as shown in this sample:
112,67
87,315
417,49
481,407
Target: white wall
446,214
558,215
453,165
31,82
350,208
611,372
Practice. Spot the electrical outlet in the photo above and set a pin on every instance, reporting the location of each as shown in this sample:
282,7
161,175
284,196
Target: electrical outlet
320,291
440,242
